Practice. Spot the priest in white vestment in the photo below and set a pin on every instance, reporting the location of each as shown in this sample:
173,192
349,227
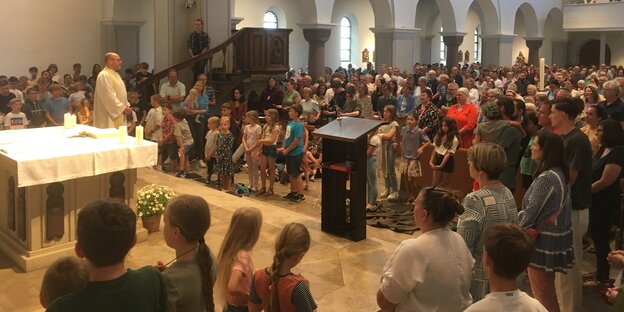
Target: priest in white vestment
110,104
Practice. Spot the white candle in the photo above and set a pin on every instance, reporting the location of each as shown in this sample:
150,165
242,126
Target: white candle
138,131
123,133
74,120
66,120
542,69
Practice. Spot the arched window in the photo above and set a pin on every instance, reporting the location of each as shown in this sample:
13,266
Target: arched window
477,45
345,40
442,46
270,20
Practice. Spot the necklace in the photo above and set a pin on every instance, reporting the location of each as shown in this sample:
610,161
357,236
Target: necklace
178,257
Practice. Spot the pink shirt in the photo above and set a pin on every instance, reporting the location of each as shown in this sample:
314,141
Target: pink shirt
243,264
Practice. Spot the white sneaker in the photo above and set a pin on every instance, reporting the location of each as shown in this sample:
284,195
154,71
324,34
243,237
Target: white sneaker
202,164
384,194
393,195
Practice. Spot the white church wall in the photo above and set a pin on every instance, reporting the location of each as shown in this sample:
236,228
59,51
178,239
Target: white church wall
471,23
37,33
519,43
288,16
362,19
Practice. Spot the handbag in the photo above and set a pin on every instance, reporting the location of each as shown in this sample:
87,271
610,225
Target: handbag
533,232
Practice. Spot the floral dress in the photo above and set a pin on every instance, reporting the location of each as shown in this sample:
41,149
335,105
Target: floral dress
225,166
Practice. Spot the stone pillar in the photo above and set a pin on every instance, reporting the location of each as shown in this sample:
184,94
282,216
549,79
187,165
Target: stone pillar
452,42
316,36
603,47
395,46
497,50
534,45
425,49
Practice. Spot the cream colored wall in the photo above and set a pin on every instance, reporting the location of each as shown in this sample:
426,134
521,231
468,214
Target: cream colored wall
37,33
472,21
519,43
362,19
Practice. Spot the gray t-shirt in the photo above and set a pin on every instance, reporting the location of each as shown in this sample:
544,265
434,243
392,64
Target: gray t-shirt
184,285
181,128
579,157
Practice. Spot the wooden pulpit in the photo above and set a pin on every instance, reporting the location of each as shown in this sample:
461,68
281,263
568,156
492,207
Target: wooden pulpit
343,194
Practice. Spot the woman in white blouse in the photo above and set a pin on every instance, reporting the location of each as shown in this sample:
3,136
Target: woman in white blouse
432,272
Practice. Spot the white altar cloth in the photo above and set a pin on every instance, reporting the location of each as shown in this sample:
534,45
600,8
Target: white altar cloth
46,155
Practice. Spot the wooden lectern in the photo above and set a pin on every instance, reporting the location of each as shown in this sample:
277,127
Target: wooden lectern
345,142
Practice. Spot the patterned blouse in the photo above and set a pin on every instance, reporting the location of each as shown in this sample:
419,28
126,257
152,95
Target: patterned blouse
428,117
167,128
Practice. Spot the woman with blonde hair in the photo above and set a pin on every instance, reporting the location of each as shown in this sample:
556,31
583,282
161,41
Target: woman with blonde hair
235,264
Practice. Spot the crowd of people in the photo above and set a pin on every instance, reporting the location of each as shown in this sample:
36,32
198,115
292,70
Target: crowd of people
566,142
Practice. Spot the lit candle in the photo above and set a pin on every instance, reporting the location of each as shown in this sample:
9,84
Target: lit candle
138,131
67,120
123,133
542,69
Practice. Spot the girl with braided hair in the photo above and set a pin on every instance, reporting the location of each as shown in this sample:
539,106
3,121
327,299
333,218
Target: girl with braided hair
191,277
235,264
276,288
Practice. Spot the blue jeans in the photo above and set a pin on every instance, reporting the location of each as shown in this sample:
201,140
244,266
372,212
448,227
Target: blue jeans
371,179
390,179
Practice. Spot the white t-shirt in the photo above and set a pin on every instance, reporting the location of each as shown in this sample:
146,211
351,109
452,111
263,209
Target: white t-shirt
516,301
442,150
422,275
15,121
376,142
132,120
154,118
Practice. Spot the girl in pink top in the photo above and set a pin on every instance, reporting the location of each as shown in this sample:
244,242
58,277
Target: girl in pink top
251,136
235,264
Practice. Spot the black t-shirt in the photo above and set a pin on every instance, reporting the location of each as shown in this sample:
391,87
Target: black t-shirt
4,103
611,194
614,109
579,157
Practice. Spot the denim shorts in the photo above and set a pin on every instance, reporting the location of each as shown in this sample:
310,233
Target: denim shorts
293,165
269,151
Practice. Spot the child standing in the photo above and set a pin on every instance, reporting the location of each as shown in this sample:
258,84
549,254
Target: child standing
236,267
388,134
413,143
276,288
293,150
184,139
15,119
190,279
270,134
167,142
154,119
374,143
225,141
445,143
211,146
251,137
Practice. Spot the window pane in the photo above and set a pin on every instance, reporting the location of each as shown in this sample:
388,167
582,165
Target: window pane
345,32
345,22
345,43
345,55
270,20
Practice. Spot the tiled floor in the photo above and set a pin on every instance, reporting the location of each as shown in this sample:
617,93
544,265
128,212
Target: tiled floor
343,275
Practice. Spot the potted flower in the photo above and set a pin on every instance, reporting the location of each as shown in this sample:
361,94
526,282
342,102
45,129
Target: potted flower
151,203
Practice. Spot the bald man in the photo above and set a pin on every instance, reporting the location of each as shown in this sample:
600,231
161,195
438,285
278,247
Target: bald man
110,103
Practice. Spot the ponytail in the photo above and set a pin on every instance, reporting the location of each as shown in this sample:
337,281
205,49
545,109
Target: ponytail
204,260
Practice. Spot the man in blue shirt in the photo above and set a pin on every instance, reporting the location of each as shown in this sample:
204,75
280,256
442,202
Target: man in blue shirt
293,150
56,106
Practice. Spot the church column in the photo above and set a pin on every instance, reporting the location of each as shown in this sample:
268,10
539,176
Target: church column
316,35
452,42
425,49
497,50
395,46
534,45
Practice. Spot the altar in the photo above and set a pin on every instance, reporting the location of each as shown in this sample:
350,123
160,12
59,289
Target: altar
48,174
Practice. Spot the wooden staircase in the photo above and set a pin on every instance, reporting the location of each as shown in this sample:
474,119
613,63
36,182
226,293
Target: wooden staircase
254,51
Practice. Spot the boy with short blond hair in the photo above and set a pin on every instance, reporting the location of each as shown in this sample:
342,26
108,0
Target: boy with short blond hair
65,276
15,119
211,145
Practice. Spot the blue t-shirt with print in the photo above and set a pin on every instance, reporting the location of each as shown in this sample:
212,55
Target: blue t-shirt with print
294,130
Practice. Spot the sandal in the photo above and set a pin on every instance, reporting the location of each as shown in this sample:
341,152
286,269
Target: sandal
261,191
269,193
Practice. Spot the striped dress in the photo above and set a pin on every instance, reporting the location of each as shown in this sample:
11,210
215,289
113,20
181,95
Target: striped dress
553,247
484,208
